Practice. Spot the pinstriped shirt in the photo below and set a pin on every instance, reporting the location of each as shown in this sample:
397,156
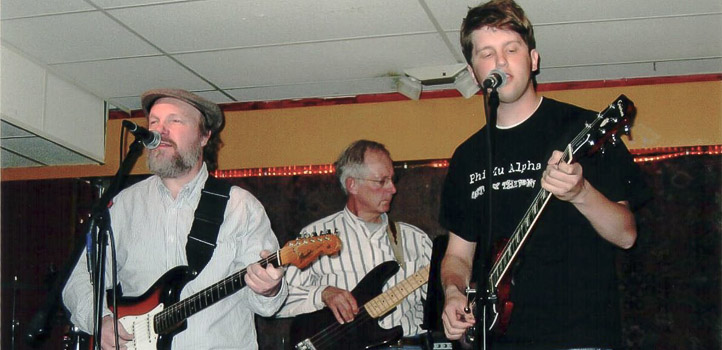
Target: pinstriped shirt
362,250
151,230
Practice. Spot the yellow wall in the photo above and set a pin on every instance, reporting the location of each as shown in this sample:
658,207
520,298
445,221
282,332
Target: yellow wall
681,114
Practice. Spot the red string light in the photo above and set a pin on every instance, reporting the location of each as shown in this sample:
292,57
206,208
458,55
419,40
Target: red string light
662,153
640,156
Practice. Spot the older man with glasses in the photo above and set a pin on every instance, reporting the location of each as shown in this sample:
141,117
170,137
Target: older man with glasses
369,238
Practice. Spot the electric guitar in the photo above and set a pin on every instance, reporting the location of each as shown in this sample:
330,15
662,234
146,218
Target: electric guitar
613,120
364,331
156,316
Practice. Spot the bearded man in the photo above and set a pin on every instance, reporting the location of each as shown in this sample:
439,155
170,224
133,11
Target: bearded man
151,222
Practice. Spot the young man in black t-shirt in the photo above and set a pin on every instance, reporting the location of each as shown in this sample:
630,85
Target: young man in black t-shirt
564,284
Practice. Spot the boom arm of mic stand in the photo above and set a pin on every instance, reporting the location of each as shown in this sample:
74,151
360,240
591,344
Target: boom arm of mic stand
39,326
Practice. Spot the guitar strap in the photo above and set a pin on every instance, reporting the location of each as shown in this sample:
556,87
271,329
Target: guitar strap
393,232
208,219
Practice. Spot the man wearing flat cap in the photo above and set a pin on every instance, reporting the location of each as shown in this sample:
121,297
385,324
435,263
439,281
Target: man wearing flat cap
155,230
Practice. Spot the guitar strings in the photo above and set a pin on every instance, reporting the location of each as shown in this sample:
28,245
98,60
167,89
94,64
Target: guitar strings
165,320
329,335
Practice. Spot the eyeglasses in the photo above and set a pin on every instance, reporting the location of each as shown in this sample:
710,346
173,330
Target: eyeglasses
383,182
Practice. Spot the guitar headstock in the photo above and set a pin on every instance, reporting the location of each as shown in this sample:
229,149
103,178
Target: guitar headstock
303,251
616,119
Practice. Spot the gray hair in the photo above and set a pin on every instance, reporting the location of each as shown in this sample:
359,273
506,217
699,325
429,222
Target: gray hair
351,162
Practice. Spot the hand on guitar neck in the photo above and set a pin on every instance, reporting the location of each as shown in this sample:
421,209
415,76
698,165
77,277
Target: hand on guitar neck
264,281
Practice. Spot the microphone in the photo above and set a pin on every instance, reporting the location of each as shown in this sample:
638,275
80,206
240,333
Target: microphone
494,80
150,139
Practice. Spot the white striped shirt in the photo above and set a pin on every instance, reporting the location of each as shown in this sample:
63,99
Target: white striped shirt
361,252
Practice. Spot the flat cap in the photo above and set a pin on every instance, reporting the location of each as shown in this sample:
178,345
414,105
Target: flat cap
211,112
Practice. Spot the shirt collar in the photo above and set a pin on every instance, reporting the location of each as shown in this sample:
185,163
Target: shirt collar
190,191
359,224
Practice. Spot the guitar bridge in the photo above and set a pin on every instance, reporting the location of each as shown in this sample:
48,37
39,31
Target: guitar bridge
470,333
470,299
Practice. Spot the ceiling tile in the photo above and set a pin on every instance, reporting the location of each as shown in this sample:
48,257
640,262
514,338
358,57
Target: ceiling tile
24,8
9,130
319,90
44,151
319,62
600,72
124,3
450,13
556,11
133,102
707,66
12,160
131,76
124,103
237,24
611,42
73,37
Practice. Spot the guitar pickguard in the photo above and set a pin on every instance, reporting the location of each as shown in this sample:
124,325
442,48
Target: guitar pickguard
141,326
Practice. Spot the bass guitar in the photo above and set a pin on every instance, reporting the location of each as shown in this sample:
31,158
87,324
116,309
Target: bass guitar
320,329
156,316
605,127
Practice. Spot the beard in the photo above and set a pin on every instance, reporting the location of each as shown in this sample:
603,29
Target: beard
179,163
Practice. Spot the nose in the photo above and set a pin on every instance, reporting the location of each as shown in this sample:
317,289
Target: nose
159,127
392,187
501,60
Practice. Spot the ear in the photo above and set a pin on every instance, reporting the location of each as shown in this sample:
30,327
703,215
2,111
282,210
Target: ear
473,76
534,60
351,185
205,138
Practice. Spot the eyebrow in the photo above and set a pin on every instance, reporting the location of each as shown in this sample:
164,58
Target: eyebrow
505,44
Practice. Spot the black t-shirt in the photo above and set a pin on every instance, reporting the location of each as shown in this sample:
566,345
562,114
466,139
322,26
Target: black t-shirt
565,285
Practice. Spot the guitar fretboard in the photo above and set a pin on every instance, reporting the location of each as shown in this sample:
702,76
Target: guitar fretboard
518,237
521,233
381,304
173,315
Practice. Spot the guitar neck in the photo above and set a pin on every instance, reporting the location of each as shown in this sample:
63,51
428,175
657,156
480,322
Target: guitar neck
171,316
521,233
388,300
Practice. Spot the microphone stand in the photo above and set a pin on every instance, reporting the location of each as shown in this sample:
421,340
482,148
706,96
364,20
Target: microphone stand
491,104
39,326
103,231
14,323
